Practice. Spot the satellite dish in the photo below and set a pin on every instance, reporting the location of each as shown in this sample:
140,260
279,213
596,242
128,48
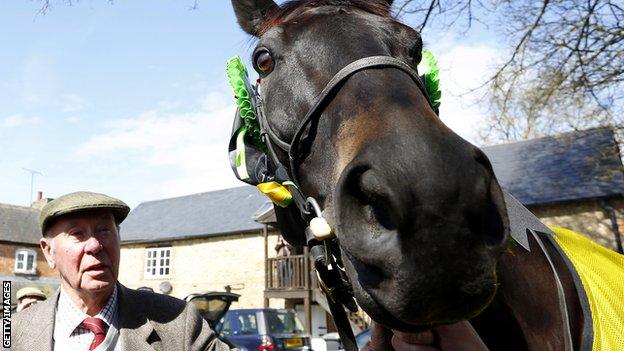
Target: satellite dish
165,288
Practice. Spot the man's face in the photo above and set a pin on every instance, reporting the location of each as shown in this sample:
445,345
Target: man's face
84,247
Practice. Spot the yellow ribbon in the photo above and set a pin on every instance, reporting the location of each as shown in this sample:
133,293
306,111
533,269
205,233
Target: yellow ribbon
275,191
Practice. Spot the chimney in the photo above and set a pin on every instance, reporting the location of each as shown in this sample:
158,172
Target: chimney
41,201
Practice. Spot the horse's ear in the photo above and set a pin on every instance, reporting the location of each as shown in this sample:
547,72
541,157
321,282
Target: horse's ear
386,2
251,14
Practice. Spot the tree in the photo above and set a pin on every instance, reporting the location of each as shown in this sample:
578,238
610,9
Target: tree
565,70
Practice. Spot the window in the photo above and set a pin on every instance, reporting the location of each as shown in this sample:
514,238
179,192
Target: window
158,262
225,327
25,261
247,323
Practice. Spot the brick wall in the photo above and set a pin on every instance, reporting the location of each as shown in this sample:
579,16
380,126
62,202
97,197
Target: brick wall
208,264
587,218
7,259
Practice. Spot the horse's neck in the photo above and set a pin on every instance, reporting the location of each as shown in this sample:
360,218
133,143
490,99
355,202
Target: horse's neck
529,295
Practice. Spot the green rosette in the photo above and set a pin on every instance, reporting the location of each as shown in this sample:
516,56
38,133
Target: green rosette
239,81
428,67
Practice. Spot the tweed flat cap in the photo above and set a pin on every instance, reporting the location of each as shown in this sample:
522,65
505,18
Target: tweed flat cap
81,201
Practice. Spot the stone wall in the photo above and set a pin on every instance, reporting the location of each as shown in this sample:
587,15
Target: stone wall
587,218
207,264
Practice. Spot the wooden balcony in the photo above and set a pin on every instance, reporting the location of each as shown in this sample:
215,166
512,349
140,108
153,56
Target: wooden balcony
288,277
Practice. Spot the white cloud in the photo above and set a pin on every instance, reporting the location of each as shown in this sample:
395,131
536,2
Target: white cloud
73,119
193,144
19,120
462,68
73,103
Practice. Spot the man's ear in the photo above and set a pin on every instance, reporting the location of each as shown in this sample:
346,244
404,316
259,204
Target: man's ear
46,247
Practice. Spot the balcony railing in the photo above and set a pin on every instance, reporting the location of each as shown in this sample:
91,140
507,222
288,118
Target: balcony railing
287,273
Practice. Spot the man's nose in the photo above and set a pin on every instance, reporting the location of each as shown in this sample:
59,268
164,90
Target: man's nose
93,245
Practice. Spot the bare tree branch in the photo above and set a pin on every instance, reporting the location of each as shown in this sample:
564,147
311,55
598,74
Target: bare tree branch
565,69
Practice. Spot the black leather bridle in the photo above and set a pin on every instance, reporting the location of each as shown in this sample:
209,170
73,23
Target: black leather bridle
326,252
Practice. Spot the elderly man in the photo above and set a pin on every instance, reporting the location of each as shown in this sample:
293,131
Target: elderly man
92,311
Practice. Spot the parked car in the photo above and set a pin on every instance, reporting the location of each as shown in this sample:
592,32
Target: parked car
212,306
264,329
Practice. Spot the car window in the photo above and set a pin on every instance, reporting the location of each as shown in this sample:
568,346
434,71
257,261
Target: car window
225,326
283,322
247,323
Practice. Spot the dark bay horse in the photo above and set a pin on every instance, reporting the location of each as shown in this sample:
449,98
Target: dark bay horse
422,224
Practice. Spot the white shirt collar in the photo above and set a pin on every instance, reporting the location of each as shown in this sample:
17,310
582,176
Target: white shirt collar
69,317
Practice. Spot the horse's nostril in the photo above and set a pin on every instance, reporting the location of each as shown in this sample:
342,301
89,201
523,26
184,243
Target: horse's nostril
373,195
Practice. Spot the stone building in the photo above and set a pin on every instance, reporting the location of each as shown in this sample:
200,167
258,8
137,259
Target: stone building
574,180
198,243
210,241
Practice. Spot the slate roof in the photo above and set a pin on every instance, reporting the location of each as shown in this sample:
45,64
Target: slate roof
199,215
19,224
569,167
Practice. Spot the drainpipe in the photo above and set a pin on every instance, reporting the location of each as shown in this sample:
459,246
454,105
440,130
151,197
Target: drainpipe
614,225
265,234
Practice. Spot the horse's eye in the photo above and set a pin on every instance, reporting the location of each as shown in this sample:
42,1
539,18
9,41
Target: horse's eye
263,62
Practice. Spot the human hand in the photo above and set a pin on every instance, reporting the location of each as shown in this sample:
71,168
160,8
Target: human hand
459,336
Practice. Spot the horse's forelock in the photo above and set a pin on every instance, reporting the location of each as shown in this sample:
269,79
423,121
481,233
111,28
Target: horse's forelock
294,10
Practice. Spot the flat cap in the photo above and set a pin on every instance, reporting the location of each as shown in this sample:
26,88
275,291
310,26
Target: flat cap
29,291
81,201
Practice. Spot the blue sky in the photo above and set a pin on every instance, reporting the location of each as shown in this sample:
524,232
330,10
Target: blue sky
130,99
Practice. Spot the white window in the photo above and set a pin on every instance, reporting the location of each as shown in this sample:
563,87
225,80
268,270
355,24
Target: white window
25,261
157,262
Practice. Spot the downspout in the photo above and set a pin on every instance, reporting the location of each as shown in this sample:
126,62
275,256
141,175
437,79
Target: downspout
265,234
614,225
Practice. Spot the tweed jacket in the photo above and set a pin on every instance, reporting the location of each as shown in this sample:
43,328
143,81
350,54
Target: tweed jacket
147,321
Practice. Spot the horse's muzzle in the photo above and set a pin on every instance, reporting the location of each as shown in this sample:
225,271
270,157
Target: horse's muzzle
420,245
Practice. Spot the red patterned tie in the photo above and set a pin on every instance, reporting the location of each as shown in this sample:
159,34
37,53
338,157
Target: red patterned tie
97,327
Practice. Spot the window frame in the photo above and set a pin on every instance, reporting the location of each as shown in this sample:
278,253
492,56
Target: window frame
26,253
152,262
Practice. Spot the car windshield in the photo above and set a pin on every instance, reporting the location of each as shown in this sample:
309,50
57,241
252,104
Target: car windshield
283,322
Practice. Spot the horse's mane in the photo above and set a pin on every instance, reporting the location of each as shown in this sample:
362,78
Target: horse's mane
294,10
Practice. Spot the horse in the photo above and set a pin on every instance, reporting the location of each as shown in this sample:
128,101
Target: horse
424,231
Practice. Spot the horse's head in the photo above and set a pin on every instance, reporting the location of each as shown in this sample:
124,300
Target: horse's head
417,210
